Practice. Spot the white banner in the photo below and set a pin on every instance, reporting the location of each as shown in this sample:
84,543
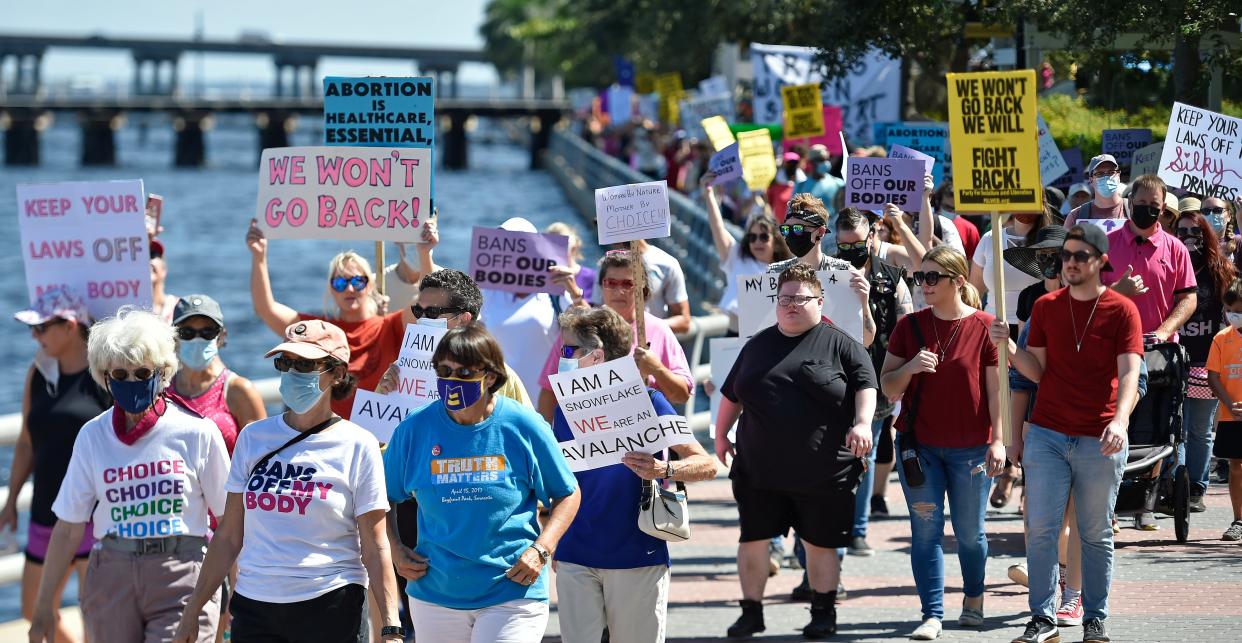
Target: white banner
1203,153
756,297
380,414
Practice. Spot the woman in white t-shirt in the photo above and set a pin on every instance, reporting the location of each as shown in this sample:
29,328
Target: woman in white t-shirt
306,511
1019,231
146,472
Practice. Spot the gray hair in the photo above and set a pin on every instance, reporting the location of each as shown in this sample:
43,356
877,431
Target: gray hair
134,337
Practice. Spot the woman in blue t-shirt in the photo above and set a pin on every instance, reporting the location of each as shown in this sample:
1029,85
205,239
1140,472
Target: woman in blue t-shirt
609,573
478,463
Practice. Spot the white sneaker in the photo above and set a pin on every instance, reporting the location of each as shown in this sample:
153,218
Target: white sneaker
1017,574
928,631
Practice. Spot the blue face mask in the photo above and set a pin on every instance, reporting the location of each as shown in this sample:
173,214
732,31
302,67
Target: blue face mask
135,397
1107,186
823,168
1217,221
300,391
566,364
458,394
196,354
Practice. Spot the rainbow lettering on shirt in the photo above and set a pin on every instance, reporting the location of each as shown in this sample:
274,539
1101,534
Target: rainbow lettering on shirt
147,499
484,468
284,488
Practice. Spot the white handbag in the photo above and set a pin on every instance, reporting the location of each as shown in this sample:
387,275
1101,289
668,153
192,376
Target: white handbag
664,514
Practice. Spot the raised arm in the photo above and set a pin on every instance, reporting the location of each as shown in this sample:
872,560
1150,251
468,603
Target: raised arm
720,235
909,253
276,315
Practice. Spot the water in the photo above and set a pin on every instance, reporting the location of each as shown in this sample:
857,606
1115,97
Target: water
206,213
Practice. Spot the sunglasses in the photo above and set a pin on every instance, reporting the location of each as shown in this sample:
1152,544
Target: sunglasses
857,245
39,329
624,285
185,333
1082,256
794,300
140,374
568,351
1185,233
931,277
284,364
359,283
461,372
1212,212
793,228
434,312
761,237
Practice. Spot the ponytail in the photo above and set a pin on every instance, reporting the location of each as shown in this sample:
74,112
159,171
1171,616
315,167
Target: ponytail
970,295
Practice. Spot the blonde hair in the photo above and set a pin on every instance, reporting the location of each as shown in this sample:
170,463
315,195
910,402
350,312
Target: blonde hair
337,267
133,337
953,261
575,241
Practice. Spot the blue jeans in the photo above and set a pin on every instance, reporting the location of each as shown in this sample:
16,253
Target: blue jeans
1056,465
955,473
1198,418
862,499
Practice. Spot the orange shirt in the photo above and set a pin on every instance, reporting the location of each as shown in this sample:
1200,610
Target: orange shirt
373,346
1225,359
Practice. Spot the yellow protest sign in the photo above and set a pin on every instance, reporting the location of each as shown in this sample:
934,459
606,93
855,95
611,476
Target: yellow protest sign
718,132
644,82
669,87
995,141
804,111
668,84
758,161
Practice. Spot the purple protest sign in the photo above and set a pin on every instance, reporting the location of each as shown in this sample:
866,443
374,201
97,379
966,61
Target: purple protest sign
726,165
516,262
903,152
872,182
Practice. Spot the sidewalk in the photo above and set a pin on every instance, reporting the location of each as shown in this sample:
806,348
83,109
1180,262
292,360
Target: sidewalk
1161,591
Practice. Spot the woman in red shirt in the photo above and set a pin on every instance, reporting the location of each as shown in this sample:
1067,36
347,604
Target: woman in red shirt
943,365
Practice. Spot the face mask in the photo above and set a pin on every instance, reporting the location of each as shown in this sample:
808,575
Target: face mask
823,168
434,323
135,397
1107,186
195,354
1217,221
1049,266
300,391
800,244
1235,320
948,214
566,364
1144,216
459,394
856,256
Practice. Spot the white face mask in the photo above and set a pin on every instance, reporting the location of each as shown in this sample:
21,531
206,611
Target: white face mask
434,323
1234,319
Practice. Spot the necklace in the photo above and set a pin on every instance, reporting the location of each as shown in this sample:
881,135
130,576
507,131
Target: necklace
956,325
1074,324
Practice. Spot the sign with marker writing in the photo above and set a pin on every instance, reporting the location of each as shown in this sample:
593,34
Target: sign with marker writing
416,384
1123,143
758,160
632,212
872,182
379,111
994,136
1203,153
804,115
756,298
89,237
718,132
726,165
516,261
1051,164
1146,160
929,138
610,414
344,193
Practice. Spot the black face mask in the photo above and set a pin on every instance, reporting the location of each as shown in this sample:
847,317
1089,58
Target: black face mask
1198,257
1144,216
856,256
800,244
1049,266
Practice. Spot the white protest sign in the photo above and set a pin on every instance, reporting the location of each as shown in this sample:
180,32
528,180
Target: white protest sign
1107,225
516,261
620,104
1146,160
694,110
88,236
756,298
1051,163
726,165
649,107
1203,153
714,86
724,351
903,152
344,193
380,414
632,212
609,414
416,385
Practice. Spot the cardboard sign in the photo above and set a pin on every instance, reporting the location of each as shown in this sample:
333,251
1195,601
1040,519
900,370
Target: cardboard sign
758,160
1203,153
929,138
715,86
610,414
380,414
726,165
344,193
1146,160
872,182
695,110
1073,161
1051,164
903,152
1123,143
831,138
632,212
757,303
804,111
724,351
379,111
516,261
718,132
620,104
994,135
1107,225
88,236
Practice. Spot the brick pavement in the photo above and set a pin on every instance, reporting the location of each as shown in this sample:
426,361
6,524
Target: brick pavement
1162,591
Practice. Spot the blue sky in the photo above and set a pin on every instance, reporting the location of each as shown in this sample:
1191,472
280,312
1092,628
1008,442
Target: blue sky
448,23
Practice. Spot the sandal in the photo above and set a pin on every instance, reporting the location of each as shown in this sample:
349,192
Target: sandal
1005,483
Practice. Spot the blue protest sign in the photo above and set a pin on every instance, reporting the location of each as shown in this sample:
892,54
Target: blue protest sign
929,138
379,111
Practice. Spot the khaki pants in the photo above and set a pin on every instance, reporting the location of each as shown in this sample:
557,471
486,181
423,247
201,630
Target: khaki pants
127,597
631,603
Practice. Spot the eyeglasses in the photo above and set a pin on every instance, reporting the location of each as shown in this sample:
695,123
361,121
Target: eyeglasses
359,283
931,277
793,228
461,372
624,285
185,333
284,364
796,301
1082,256
39,329
140,374
1101,174
434,312
761,237
857,245
1212,212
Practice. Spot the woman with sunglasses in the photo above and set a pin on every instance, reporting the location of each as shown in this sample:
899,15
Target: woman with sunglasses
374,339
943,364
306,513
478,463
60,396
145,473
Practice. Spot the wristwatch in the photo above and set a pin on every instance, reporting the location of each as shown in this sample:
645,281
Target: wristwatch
668,470
543,552
392,630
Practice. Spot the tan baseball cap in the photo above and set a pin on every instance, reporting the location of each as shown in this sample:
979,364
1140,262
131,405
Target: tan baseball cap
313,339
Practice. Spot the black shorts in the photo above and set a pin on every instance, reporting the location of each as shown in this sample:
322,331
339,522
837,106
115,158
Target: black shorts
824,519
337,616
1228,441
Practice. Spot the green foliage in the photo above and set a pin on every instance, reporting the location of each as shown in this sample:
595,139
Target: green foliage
1075,124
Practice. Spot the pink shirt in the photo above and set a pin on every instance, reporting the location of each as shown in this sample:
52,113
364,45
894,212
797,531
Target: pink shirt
663,343
1163,263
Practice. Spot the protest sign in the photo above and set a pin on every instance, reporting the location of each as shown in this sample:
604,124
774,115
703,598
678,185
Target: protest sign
1123,143
1107,225
1073,161
831,138
903,152
757,303
620,104
804,115
609,413
724,351
669,87
644,82
625,71
1051,163
581,100
694,110
929,138
715,86
758,160
726,165
872,182
1146,160
1203,153
632,212
648,107
516,261
379,111
718,132
416,386
89,236
994,136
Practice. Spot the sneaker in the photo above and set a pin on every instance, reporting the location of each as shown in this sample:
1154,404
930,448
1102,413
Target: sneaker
879,507
1196,505
1070,612
1017,574
971,616
859,547
749,623
1040,629
928,631
840,591
1234,532
801,593
823,618
1146,522
1093,631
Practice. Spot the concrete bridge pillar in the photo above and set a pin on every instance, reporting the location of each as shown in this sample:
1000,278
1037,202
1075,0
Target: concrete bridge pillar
540,134
191,145
274,128
454,147
98,137
21,138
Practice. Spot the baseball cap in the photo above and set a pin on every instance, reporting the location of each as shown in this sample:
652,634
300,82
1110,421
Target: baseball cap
1189,204
1097,160
818,153
791,156
1023,257
518,224
191,305
1078,187
58,301
1093,236
313,339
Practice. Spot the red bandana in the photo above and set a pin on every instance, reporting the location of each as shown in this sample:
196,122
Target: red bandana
144,425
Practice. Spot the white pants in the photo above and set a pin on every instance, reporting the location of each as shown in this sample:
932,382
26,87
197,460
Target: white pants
520,621
632,603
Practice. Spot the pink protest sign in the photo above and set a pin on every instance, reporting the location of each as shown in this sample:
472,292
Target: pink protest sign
516,261
872,182
831,138
344,193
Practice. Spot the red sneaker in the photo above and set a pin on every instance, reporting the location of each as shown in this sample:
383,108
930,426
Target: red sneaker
1070,612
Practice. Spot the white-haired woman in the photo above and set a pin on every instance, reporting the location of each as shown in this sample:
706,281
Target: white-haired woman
374,338
146,472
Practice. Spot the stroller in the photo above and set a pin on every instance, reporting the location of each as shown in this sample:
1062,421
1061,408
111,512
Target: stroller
1155,434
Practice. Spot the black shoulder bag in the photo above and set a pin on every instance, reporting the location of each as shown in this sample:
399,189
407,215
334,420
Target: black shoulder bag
296,439
909,447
